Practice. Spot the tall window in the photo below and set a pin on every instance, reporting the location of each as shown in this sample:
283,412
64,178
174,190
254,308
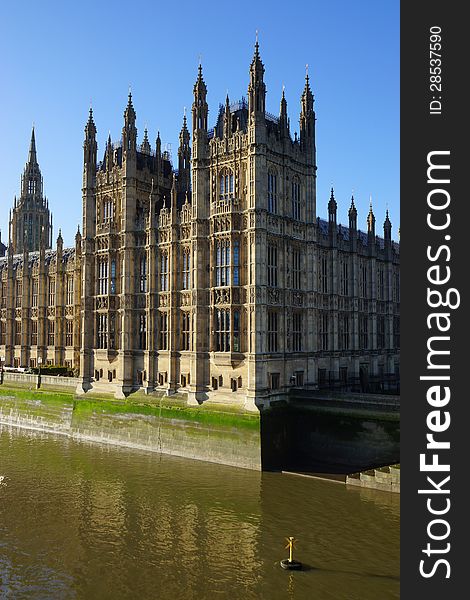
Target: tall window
226,184
272,192
50,332
396,331
380,282
236,331
69,332
143,274
343,331
323,273
3,294
142,332
34,333
3,328
185,330
19,292
102,331
103,277
296,272
163,331
296,200
272,265
222,263
222,330
363,279
112,280
69,290
297,332
344,277
323,331
186,268
380,332
51,291
236,263
396,286
17,333
364,332
34,292
164,271
272,331
107,210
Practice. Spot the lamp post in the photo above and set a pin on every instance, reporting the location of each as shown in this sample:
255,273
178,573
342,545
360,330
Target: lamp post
38,385
2,360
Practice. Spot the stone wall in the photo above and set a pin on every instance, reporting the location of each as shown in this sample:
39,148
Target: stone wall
235,446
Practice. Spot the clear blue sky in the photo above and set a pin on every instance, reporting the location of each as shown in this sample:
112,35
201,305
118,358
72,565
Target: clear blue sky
59,55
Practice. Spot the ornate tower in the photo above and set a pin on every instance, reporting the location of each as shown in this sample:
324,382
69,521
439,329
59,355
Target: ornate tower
184,164
30,216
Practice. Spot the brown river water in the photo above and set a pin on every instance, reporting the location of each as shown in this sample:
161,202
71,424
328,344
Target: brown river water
95,522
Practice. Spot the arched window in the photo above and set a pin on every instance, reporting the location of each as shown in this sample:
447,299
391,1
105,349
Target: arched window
226,184
272,192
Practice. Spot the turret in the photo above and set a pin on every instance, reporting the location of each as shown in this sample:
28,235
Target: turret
257,87
145,147
89,145
184,163
90,149
307,119
129,131
78,242
371,229
200,108
332,210
387,228
352,213
283,118
109,154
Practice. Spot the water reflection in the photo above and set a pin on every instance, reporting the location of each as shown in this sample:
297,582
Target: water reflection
85,521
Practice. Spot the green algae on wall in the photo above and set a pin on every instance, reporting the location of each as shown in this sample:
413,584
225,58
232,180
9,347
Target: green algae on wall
201,433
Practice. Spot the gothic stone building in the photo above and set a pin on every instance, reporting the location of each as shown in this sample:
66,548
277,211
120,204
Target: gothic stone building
216,279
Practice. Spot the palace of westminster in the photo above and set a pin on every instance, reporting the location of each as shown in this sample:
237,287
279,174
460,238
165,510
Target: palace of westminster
215,279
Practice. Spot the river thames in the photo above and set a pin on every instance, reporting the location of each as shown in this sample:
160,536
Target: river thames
88,521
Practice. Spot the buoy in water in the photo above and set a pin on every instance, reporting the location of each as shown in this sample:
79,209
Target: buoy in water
290,563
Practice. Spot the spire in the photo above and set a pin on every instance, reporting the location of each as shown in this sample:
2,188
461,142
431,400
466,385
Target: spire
307,96
109,153
332,208
307,119
257,67
352,213
227,117
90,128
129,113
387,227
283,118
32,158
257,87
200,108
184,162
145,147
129,131
371,220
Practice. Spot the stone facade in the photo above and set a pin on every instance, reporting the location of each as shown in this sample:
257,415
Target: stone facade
216,279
